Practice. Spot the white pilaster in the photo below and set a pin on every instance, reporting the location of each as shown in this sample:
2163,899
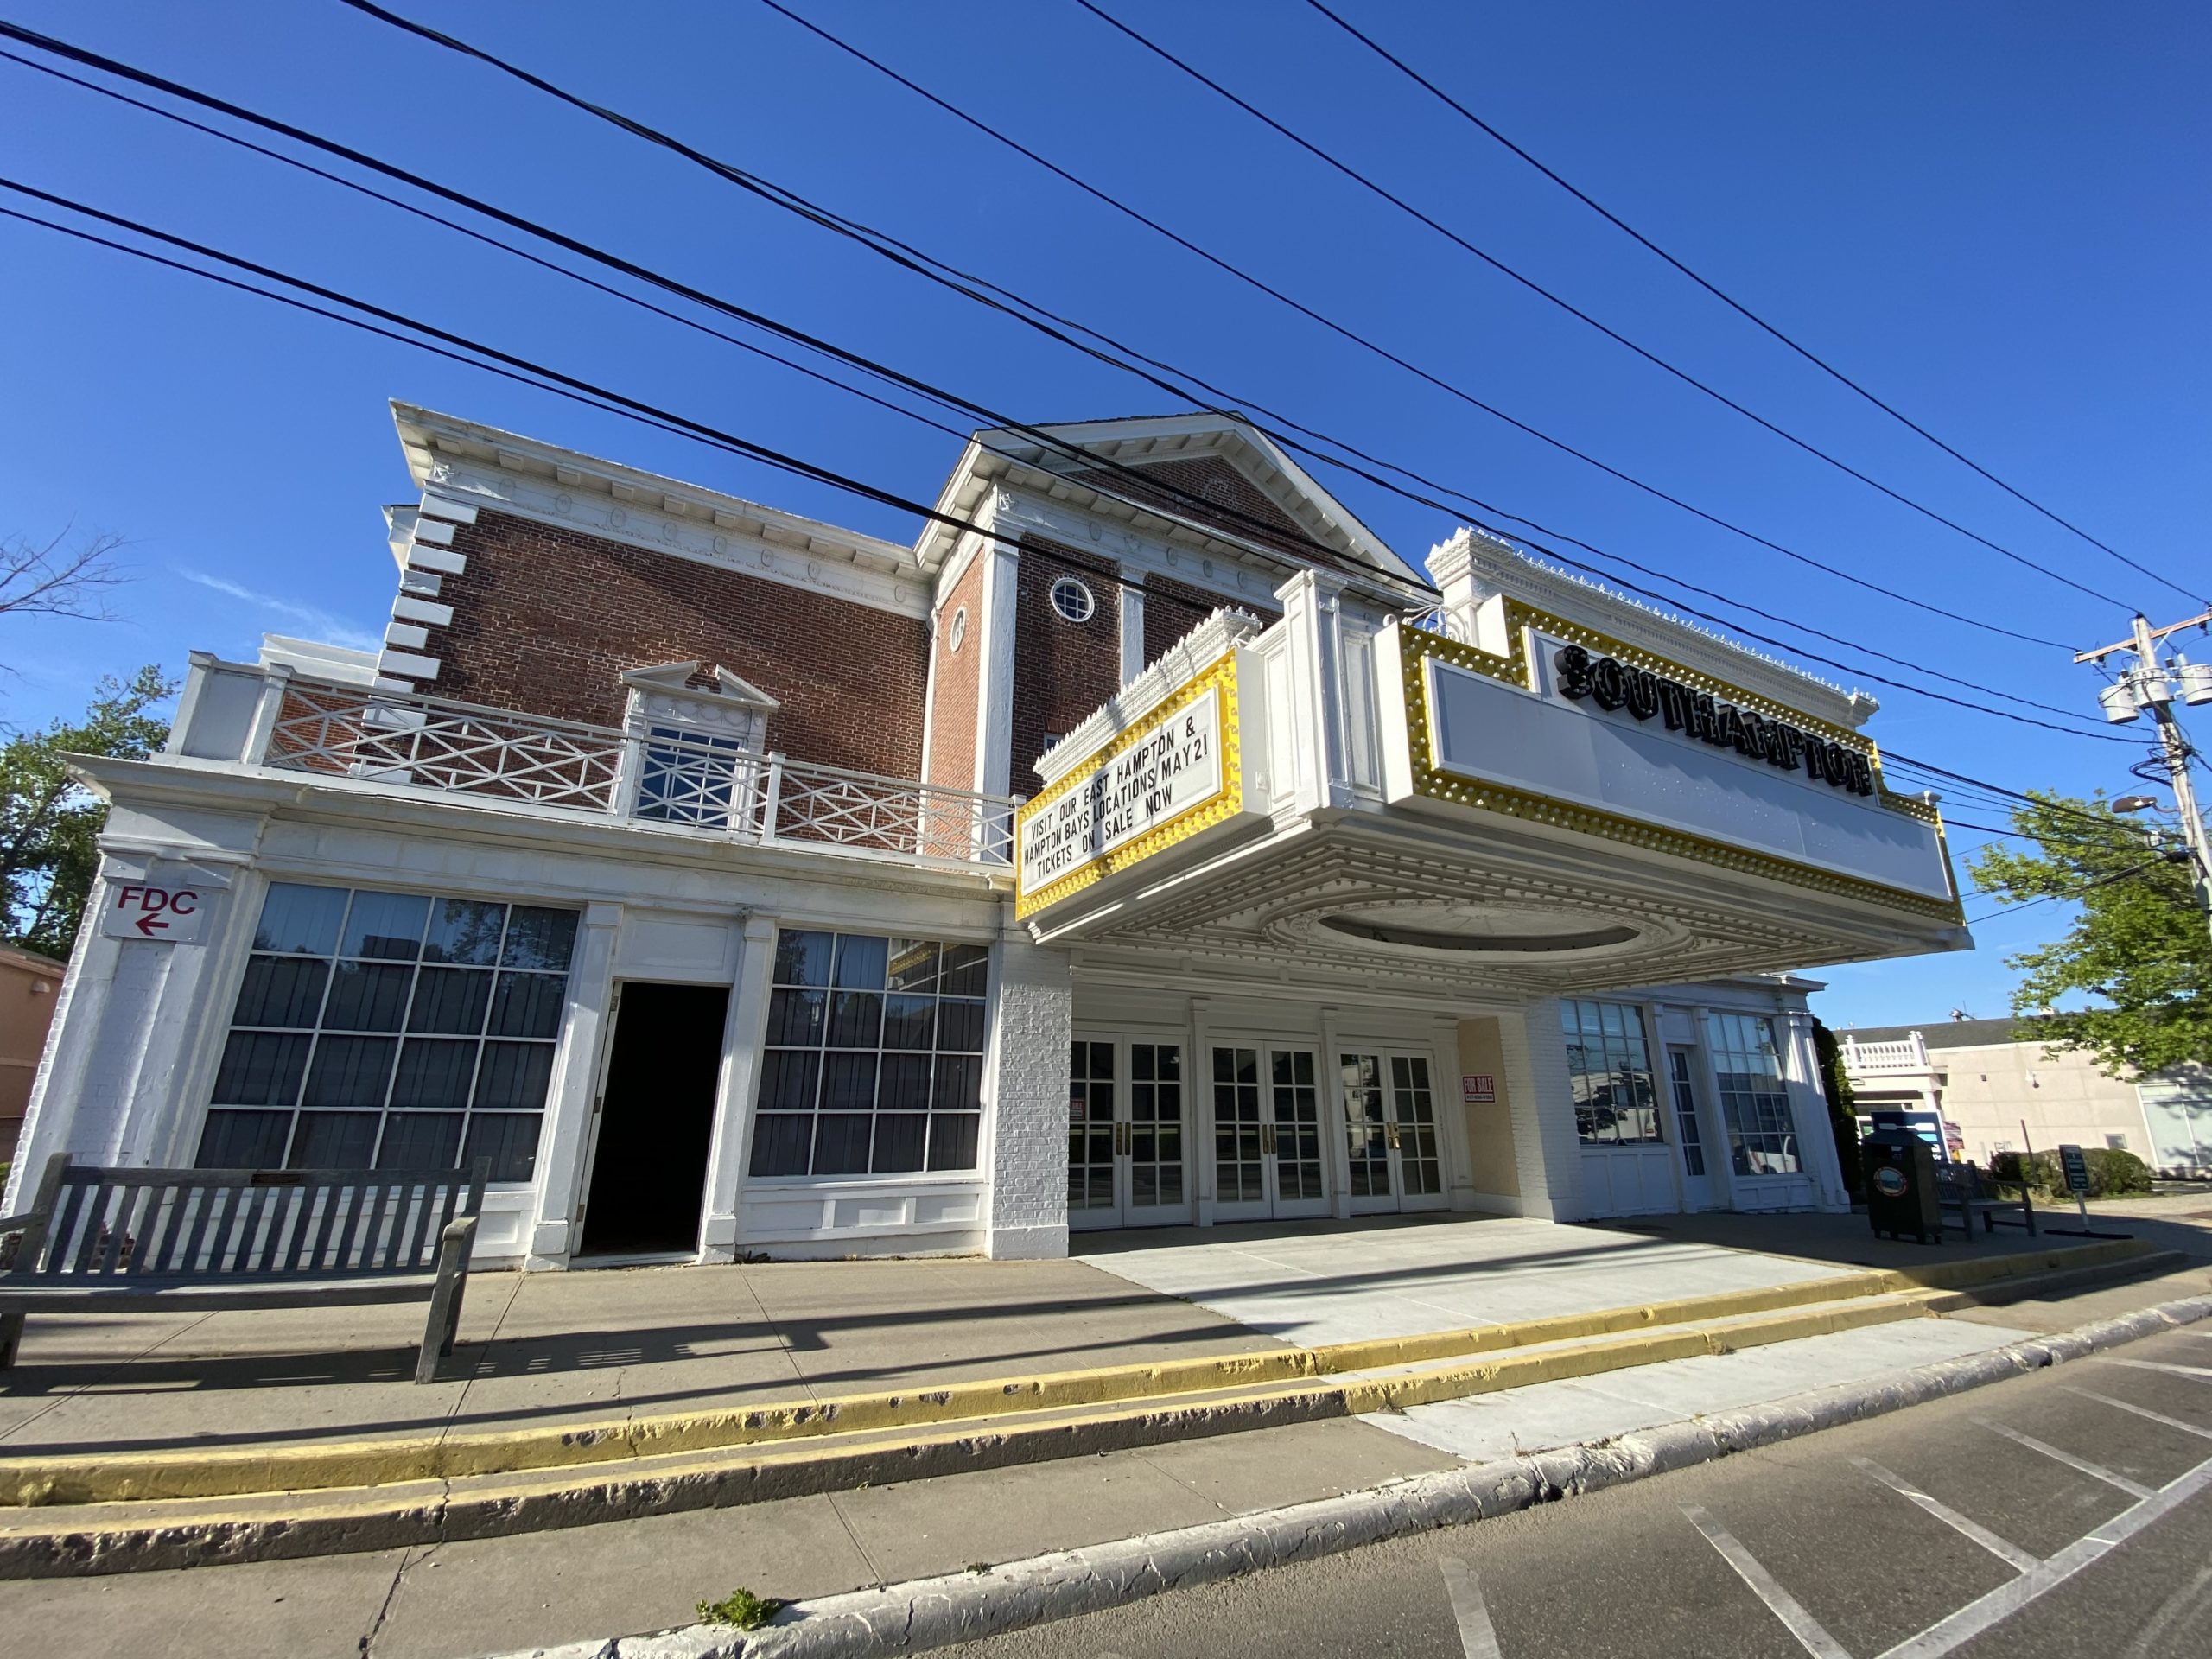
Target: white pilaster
564,1142
742,1034
1809,1108
1547,1153
1336,1142
1024,1099
1312,618
1132,631
994,697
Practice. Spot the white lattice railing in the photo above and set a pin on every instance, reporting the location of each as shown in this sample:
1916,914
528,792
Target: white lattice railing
429,743
1902,1054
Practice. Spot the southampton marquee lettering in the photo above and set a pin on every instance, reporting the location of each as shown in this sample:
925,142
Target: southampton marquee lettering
1613,685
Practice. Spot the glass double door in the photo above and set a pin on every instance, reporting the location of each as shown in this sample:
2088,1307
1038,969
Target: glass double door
1268,1144
1394,1159
1126,1140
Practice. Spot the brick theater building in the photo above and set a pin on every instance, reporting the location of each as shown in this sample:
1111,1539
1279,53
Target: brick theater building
1156,849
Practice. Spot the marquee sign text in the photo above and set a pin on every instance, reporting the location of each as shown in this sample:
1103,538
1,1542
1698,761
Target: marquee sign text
1163,775
1612,685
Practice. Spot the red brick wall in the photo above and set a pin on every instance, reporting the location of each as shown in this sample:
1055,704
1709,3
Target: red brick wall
1062,671
959,675
1173,608
546,620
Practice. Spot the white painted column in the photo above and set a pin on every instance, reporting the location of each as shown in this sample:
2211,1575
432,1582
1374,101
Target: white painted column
743,1033
1808,1107
136,1027
1451,1113
1131,629
1201,1108
1025,1100
994,680
1312,620
1720,1161
565,1140
1547,1152
1336,1141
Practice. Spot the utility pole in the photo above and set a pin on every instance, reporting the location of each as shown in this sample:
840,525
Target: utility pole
2151,684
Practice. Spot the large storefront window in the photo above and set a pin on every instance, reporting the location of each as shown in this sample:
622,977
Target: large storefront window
1609,1073
390,1031
875,1059
1754,1100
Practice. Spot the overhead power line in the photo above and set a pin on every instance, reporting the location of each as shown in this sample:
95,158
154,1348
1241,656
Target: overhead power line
976,410
950,400
1018,308
600,395
1727,299
1566,305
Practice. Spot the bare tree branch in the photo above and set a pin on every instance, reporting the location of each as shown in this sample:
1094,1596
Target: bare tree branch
49,579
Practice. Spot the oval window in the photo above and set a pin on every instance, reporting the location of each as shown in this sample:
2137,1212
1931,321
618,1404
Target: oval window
957,635
1073,600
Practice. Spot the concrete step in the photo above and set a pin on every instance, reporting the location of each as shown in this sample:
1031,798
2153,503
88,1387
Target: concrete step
103,1514
127,1535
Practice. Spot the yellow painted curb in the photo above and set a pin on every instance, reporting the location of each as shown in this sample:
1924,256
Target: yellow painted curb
141,1477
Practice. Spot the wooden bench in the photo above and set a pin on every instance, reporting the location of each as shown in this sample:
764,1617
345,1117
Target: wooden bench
142,1240
1964,1190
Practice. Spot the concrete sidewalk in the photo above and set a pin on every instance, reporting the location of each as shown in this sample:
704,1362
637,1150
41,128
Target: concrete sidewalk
454,1599
542,1351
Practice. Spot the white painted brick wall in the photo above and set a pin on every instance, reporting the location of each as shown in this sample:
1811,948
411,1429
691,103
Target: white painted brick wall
1026,1087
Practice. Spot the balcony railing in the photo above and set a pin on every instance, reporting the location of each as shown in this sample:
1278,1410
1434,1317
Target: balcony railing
430,744
1903,1054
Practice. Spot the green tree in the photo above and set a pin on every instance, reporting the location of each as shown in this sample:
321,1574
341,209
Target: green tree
50,823
2140,945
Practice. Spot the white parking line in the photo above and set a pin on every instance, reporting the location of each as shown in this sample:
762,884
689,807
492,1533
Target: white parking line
2145,1411
2095,1470
2006,1600
1476,1635
2156,1365
1784,1606
2011,1553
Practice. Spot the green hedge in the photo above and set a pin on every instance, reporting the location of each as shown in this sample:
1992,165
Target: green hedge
2113,1173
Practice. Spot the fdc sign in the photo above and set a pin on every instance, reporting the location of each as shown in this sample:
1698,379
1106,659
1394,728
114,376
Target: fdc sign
139,910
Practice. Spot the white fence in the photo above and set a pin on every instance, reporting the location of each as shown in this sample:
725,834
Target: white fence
441,746
1908,1053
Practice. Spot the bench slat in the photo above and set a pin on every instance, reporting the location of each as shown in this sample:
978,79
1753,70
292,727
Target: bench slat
333,1207
159,1221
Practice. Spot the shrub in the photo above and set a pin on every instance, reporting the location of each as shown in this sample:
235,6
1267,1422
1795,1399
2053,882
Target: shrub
742,1608
2113,1173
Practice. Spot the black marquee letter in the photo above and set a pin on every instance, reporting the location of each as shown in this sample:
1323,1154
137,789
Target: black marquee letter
1572,666
1605,684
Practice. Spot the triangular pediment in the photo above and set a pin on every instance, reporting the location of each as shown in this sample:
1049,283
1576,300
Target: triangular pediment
1216,471
703,680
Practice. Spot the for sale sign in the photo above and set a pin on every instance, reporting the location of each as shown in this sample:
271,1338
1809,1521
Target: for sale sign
162,910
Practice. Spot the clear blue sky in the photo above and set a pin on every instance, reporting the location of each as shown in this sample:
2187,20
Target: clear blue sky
1991,213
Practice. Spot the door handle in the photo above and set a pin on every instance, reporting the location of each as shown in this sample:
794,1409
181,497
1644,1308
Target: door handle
1390,1137
1268,1139
1122,1139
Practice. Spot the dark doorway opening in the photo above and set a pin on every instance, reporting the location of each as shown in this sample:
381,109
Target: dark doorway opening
656,1118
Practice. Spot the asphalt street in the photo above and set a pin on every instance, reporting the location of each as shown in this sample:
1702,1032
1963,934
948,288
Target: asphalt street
2058,1515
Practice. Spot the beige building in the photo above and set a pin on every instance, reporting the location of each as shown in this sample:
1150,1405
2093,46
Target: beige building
28,984
1996,1092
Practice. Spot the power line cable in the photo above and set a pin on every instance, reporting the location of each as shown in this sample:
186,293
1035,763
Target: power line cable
1566,305
506,365
2103,880
1729,300
949,400
1016,306
976,410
